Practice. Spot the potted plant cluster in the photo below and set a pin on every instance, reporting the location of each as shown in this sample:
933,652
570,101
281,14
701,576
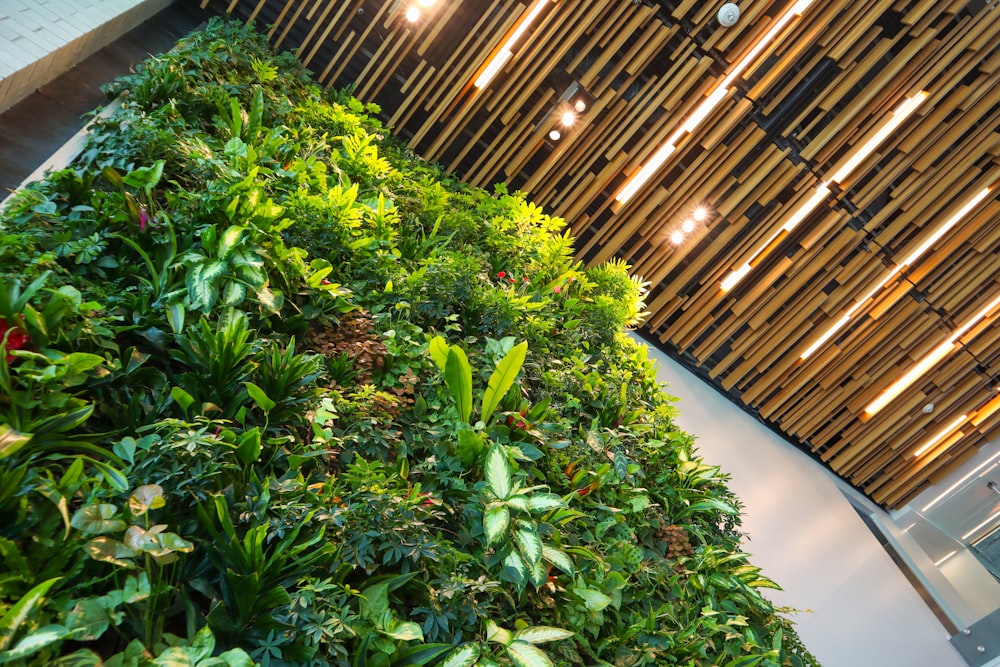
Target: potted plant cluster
275,391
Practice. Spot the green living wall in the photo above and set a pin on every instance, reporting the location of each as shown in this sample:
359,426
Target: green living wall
273,390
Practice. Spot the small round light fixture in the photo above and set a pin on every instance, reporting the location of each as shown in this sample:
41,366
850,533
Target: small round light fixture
568,118
426,3
555,135
412,14
728,15
580,106
677,237
688,226
699,214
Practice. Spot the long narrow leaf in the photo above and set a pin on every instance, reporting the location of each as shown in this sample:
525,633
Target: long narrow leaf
502,379
458,377
20,612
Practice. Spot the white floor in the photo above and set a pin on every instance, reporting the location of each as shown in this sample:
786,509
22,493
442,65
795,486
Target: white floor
808,538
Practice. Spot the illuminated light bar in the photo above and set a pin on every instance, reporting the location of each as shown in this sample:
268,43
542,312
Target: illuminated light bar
898,116
709,104
892,273
823,190
737,275
980,526
982,468
646,172
818,197
946,227
941,562
504,54
925,364
940,435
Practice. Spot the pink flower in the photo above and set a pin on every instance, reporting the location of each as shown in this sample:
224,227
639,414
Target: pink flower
143,218
557,289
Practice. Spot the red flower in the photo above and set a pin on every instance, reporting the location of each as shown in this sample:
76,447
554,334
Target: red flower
512,279
501,274
16,338
325,282
557,289
525,279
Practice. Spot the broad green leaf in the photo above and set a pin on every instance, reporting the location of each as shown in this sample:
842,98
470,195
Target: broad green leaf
175,656
110,550
496,520
146,497
88,620
540,634
182,398
543,502
514,569
11,441
404,631
559,558
494,633
234,294
458,377
228,241
136,588
174,542
438,349
529,544
262,400
249,447
202,646
235,657
594,599
175,316
420,654
523,654
138,538
33,643
712,504
16,615
503,379
498,471
97,519
464,656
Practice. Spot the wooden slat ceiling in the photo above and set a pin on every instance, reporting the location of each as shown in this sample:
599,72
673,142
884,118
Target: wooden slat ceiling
801,106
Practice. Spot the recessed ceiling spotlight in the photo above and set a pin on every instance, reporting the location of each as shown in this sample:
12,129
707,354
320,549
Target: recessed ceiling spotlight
677,237
700,214
412,14
568,118
555,135
688,226
580,106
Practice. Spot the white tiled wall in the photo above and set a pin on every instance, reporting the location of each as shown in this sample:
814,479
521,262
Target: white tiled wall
41,39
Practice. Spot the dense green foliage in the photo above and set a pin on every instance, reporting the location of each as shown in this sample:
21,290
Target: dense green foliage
275,391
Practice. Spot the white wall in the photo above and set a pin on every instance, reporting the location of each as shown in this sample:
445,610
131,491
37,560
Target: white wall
41,39
807,537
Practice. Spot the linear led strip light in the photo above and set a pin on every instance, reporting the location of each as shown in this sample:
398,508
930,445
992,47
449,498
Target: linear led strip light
501,57
823,189
928,362
980,470
940,435
889,275
719,93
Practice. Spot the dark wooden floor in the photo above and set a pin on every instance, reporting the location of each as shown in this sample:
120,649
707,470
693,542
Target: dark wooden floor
36,127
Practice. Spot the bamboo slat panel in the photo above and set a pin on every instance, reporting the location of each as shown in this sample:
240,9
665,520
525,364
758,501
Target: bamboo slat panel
796,113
